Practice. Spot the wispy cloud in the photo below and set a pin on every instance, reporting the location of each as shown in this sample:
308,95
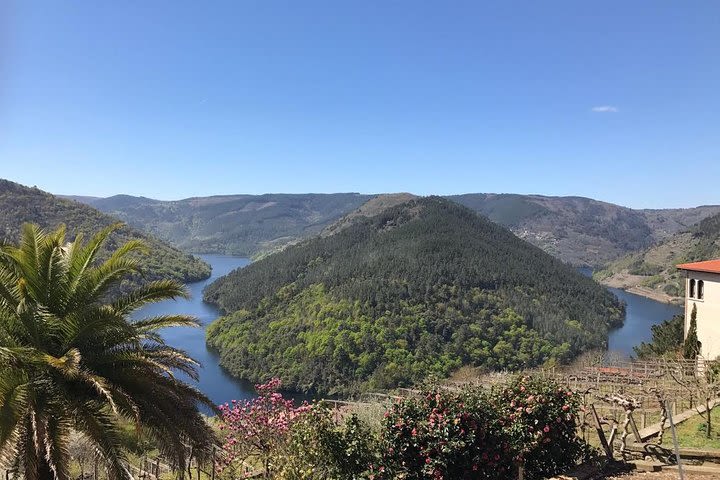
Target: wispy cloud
605,109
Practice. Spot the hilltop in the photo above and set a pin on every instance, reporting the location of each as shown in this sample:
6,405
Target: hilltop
580,231
414,289
20,204
652,271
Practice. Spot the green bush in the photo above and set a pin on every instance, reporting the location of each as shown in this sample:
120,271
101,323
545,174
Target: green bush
477,434
539,423
442,435
318,449
473,433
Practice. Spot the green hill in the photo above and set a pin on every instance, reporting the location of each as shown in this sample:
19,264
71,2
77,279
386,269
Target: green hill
20,204
418,288
653,269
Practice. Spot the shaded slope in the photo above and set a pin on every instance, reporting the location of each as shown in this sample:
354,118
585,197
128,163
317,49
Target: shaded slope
20,204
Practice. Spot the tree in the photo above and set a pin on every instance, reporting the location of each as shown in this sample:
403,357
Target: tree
691,347
323,448
257,430
72,360
667,339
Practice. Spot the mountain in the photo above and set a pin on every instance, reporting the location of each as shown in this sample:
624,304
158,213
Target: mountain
577,230
20,204
652,271
232,224
418,288
583,231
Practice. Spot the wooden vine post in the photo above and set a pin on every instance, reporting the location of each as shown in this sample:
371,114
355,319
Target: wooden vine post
599,430
663,412
629,405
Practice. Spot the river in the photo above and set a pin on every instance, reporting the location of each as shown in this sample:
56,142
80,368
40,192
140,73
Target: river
641,314
215,382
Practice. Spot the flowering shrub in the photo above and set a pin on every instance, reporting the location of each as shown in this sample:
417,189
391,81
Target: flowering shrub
318,449
443,436
256,430
538,418
439,435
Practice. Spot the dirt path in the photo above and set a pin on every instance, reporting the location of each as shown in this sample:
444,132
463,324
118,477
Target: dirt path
658,476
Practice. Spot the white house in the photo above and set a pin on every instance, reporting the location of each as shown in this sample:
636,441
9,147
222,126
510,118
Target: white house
702,289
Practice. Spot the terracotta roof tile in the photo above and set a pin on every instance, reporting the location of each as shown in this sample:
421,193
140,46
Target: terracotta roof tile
710,266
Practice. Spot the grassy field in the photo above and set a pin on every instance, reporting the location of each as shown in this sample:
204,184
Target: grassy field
691,433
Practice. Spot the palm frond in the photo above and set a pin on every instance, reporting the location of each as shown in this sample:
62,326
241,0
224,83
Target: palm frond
152,292
57,447
152,324
102,430
73,361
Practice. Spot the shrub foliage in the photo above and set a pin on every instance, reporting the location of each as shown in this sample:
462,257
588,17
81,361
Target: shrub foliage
436,435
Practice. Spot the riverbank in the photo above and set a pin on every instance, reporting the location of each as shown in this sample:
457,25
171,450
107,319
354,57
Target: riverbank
632,284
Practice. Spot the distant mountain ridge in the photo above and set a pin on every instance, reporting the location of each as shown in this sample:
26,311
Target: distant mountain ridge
20,204
232,224
577,230
583,231
400,291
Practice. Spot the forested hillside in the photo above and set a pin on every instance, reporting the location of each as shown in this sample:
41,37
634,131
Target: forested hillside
419,288
20,204
583,231
232,224
580,231
654,268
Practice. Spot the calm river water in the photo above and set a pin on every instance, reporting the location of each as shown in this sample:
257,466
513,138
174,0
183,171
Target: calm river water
215,382
642,313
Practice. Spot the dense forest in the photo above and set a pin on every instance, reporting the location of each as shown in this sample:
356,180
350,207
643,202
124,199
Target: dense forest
655,267
20,204
419,288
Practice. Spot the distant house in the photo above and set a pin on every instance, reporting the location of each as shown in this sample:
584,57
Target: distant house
702,289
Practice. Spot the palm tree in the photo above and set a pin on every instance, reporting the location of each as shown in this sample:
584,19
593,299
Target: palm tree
73,362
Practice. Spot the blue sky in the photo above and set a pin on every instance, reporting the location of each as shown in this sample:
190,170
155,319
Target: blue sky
613,100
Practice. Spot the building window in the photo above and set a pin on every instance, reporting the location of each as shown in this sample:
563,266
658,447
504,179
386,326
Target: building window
691,292
700,289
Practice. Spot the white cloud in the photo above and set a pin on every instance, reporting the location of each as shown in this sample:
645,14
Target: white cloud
605,109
